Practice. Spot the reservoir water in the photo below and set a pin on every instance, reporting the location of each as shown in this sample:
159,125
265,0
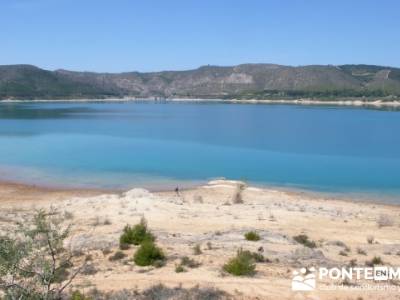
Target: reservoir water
341,150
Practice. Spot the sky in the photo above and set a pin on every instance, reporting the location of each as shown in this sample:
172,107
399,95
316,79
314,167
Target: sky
154,35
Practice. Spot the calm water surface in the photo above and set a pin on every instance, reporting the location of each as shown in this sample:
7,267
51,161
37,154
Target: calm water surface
121,145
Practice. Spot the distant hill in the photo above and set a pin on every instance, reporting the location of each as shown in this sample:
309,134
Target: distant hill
247,81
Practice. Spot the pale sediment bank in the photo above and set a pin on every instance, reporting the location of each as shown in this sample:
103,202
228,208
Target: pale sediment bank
34,187
210,216
376,103
373,103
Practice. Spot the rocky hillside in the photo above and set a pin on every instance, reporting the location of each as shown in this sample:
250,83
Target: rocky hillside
248,81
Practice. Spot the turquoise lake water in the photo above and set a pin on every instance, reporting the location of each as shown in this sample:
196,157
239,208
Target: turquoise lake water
339,150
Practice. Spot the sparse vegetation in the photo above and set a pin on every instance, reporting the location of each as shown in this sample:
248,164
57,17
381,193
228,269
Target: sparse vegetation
68,215
124,246
96,221
361,251
148,254
179,269
89,269
77,295
117,256
353,262
198,198
370,239
343,253
136,235
29,82
107,222
258,257
272,217
305,241
189,262
159,263
197,250
106,251
242,264
385,220
376,260
186,262
89,257
338,243
252,236
237,197
33,262
161,292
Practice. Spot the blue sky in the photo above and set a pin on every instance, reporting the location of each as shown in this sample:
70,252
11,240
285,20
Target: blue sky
146,35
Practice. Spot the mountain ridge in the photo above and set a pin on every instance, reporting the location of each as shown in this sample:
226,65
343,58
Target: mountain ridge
244,81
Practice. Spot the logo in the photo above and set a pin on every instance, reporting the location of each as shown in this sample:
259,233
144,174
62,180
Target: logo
333,278
304,279
381,273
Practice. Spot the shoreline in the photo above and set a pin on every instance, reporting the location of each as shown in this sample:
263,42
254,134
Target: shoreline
210,217
355,103
297,192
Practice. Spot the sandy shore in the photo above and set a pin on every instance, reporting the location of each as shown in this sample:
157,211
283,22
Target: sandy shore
207,216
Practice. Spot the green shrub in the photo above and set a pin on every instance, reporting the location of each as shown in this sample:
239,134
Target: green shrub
258,257
148,254
303,239
33,261
241,265
135,235
77,295
252,236
374,261
179,269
